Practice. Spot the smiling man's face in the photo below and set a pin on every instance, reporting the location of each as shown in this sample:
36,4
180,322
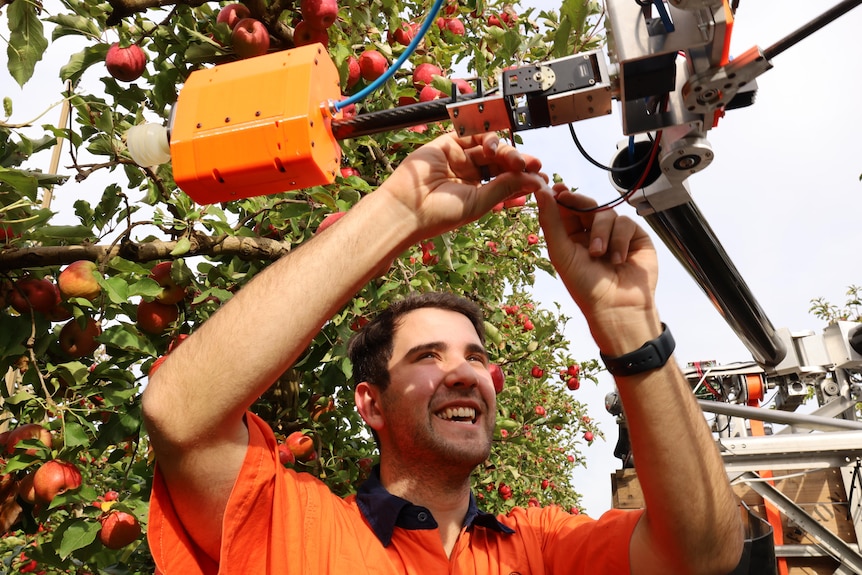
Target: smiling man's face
440,402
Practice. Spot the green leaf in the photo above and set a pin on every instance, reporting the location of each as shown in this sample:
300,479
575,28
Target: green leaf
146,287
113,397
68,234
75,434
116,288
73,24
76,534
7,106
125,337
22,182
27,42
82,60
182,247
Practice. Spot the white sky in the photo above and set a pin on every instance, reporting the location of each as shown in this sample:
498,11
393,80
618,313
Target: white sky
782,195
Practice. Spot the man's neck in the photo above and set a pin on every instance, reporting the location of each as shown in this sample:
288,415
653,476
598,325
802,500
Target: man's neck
445,495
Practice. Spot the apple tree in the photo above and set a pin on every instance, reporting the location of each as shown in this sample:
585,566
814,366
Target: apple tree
95,292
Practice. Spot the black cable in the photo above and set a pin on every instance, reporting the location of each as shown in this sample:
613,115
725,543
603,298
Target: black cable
598,164
653,151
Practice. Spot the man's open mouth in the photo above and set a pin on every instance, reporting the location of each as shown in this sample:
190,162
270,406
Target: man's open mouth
463,414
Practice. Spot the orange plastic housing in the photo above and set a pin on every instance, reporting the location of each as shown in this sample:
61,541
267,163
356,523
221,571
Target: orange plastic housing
256,127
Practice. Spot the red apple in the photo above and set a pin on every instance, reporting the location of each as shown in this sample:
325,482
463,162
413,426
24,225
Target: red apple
424,74
32,293
59,313
319,14
79,280
515,202
573,383
540,411
573,370
7,233
177,341
156,318
125,64
28,565
404,34
156,365
372,65
353,71
305,34
497,377
249,38
301,445
111,496
505,491
119,529
348,171
329,220
322,406
54,478
348,111
588,435
464,87
76,341
537,372
26,491
454,25
358,323
545,483
407,100
28,431
285,455
429,93
365,465
233,13
532,239
172,292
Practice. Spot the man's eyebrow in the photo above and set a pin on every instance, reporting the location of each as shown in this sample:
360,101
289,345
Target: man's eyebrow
442,346
429,346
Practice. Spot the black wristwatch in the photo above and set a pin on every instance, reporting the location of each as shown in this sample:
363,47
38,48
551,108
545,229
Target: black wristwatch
651,355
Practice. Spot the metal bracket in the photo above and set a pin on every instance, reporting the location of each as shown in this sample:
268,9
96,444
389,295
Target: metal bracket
835,546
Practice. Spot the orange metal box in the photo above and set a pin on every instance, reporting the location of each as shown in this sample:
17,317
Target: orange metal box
256,127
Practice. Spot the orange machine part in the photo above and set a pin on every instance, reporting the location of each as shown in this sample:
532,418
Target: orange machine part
256,127
773,515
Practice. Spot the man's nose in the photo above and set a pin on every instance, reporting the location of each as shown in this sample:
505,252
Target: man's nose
462,374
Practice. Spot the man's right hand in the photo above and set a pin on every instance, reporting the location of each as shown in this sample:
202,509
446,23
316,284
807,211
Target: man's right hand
440,187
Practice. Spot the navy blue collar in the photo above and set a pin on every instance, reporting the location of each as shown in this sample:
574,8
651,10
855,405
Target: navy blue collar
384,512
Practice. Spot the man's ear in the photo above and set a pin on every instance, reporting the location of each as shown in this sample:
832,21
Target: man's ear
367,398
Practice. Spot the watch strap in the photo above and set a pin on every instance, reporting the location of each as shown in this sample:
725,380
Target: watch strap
651,355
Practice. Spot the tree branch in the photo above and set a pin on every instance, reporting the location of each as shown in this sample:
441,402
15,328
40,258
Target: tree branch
249,249
124,8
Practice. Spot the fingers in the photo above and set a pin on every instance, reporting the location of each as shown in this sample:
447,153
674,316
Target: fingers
510,185
492,157
603,233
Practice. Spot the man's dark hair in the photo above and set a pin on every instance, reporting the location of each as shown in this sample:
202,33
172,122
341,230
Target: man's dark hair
371,348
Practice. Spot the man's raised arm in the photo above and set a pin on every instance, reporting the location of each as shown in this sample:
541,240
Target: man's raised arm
195,403
692,524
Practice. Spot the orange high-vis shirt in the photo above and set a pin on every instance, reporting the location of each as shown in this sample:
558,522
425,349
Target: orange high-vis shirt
280,522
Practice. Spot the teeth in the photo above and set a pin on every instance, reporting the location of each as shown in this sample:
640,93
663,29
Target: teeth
459,413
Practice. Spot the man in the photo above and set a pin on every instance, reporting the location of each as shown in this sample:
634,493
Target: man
222,503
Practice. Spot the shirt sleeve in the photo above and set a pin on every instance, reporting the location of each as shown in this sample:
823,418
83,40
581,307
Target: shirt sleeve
256,521
578,544
276,521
